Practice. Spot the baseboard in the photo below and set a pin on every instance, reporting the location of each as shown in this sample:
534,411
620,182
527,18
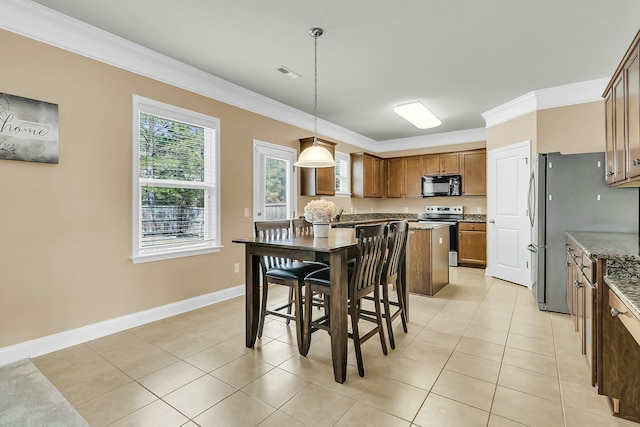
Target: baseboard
44,345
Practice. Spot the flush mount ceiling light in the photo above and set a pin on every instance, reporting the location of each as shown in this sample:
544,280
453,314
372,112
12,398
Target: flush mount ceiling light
418,115
315,156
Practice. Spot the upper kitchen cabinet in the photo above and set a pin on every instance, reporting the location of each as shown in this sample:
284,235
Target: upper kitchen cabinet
366,175
441,164
404,176
317,181
474,172
622,120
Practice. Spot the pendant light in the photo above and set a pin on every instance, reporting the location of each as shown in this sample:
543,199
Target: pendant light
315,156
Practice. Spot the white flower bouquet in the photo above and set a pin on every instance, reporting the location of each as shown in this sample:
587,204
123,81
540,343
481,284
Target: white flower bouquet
320,211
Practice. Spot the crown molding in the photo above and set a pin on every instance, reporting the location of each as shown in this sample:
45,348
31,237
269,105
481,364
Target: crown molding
559,96
40,23
433,140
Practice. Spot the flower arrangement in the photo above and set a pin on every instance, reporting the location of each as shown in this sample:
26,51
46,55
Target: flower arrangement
320,211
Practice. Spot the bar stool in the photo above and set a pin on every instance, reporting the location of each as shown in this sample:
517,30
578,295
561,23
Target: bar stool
364,279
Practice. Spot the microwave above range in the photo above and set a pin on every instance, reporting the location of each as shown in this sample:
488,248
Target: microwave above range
437,186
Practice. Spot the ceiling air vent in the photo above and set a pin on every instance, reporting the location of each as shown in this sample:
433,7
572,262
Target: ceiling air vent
287,72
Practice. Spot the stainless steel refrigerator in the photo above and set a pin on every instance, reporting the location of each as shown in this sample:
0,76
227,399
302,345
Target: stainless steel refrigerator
568,193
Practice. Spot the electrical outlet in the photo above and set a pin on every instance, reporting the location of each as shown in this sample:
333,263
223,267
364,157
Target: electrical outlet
440,240
236,268
246,212
479,210
406,209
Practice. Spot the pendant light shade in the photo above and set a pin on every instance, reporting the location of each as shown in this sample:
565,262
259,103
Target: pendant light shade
315,156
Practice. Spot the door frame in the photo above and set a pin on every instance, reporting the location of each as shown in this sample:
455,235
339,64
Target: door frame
292,155
491,236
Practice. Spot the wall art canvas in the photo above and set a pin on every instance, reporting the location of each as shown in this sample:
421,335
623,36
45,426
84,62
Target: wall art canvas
28,129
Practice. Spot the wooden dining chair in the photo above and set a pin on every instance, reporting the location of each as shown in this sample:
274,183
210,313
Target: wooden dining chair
283,271
364,279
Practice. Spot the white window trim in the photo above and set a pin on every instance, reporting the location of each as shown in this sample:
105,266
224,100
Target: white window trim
155,107
345,156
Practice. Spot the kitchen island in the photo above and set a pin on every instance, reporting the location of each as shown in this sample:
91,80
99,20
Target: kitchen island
615,307
427,258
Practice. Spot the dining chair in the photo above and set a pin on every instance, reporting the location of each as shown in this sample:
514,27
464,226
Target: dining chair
392,275
283,271
364,279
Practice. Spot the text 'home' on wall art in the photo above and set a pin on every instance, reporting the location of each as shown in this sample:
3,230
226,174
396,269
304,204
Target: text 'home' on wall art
28,129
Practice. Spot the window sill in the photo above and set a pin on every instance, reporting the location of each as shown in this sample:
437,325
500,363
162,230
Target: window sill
160,256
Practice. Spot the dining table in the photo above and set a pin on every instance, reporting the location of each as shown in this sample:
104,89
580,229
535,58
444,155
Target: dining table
337,249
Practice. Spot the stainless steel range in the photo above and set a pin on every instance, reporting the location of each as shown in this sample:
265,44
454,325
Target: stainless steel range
449,215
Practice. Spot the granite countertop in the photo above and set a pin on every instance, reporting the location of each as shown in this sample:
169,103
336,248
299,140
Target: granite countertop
426,225
622,253
350,220
474,218
610,246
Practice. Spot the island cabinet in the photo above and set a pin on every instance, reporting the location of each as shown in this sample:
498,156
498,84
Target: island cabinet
622,120
404,176
472,244
441,164
427,259
474,172
366,175
317,181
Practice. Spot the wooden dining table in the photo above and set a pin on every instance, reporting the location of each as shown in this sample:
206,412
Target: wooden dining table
337,248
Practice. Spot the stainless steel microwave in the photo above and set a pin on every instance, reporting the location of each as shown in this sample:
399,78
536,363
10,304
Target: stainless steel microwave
434,186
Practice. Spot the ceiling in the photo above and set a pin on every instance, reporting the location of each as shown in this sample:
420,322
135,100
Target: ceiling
459,58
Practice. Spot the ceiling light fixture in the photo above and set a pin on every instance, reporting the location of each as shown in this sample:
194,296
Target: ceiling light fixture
315,156
417,114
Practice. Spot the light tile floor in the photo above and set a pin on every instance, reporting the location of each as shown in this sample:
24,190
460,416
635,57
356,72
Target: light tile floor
479,353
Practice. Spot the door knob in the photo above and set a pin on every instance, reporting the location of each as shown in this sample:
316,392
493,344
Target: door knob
614,312
492,222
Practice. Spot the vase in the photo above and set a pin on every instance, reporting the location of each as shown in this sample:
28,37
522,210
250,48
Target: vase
321,229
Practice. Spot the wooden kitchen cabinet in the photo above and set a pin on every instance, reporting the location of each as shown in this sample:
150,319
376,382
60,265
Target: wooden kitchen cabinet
441,164
622,120
620,355
317,181
427,260
472,244
474,172
582,298
366,175
404,176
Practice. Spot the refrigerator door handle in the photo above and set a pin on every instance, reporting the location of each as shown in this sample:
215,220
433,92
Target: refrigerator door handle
531,205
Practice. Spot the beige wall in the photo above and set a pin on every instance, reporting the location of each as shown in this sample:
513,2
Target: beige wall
66,228
572,129
517,130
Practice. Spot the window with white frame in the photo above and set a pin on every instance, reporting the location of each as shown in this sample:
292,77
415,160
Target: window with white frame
176,193
343,177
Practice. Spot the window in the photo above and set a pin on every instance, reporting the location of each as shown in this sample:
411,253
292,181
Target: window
343,166
176,196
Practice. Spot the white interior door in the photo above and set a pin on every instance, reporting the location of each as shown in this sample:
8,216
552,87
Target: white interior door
508,228
274,182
